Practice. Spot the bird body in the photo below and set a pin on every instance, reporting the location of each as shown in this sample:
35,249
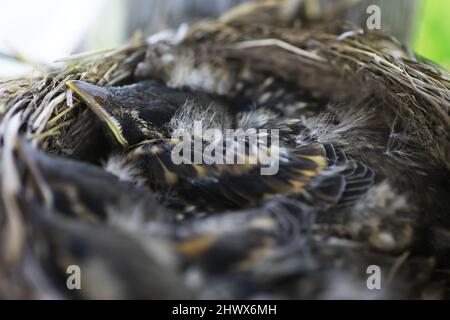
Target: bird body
319,173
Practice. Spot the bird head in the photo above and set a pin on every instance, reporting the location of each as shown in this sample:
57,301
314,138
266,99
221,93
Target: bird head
130,113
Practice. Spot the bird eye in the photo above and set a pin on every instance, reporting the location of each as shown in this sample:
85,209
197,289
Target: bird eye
99,100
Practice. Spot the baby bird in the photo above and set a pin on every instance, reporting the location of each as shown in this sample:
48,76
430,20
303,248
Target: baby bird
133,114
144,117
72,210
83,191
126,245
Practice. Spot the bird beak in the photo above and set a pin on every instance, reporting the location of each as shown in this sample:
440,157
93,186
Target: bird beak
96,99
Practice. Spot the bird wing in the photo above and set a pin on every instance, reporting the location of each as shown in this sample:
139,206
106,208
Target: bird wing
317,172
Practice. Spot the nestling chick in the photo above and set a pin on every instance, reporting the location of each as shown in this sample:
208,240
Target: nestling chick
136,112
69,207
317,173
82,190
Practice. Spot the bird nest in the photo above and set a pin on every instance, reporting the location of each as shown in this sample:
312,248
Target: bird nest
330,65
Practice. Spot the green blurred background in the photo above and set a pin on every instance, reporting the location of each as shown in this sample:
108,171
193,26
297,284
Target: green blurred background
432,34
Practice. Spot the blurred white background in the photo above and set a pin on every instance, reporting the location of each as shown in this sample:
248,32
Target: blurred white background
43,31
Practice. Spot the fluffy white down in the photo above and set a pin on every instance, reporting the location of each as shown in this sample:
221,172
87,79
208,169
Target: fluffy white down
117,165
